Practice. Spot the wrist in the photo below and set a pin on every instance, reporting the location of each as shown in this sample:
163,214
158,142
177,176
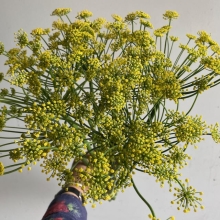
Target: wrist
72,191
77,186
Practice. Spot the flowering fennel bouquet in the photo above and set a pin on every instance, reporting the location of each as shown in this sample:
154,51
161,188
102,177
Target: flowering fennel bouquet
97,92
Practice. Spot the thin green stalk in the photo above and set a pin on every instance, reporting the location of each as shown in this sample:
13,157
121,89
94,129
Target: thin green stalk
5,173
134,107
176,142
143,171
177,105
179,184
123,49
177,59
186,59
189,96
166,40
18,118
158,113
6,155
218,82
193,104
160,43
15,127
44,41
108,47
168,56
13,131
193,73
7,150
16,96
153,112
127,113
180,54
92,92
132,26
17,164
68,19
142,198
9,137
164,109
2,145
12,101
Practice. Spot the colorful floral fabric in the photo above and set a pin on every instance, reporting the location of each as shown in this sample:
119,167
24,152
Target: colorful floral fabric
65,207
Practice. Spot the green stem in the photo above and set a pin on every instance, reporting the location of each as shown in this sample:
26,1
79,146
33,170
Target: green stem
166,41
12,171
15,127
7,150
168,56
7,144
5,155
180,184
151,114
193,104
142,198
20,132
17,164
160,43
177,59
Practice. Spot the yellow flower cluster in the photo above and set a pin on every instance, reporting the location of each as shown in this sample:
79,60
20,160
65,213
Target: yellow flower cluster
97,90
161,31
216,49
40,31
150,216
21,38
191,37
16,154
202,83
187,197
1,168
2,120
215,132
204,37
170,15
98,178
117,79
2,48
61,11
212,63
84,14
136,15
117,18
4,92
172,38
190,130
178,157
146,23
166,85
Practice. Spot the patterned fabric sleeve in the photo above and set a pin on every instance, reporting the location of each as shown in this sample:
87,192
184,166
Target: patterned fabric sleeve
65,207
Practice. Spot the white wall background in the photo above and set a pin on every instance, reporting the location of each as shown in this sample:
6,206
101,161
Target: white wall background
26,196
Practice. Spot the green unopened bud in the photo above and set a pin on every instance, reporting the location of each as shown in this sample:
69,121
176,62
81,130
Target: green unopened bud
2,48
1,76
